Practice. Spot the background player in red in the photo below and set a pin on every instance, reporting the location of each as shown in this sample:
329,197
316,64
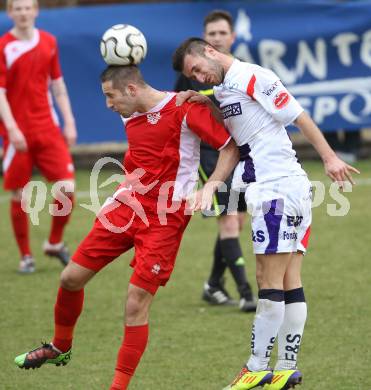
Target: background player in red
147,212
28,65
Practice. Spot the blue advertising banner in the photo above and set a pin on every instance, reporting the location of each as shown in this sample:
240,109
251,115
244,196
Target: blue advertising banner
322,52
320,49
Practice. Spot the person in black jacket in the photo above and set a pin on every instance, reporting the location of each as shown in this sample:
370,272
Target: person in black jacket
229,205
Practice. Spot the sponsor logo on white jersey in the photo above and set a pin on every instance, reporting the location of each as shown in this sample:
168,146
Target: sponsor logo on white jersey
232,110
290,235
281,100
272,88
153,118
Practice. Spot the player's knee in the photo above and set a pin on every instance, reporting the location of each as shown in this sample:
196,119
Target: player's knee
229,226
241,221
133,310
136,306
71,281
262,276
292,282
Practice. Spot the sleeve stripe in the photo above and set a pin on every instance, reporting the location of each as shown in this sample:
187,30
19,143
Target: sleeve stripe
251,87
57,78
225,143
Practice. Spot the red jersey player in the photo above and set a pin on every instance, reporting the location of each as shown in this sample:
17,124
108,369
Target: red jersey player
28,65
147,212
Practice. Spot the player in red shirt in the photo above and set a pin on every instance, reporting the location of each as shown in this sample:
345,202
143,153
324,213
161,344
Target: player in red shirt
29,64
148,212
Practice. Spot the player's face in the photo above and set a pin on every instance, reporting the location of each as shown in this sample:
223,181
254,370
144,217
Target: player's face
23,13
118,101
220,35
204,69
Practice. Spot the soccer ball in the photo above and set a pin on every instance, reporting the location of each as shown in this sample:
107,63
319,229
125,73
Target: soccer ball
123,44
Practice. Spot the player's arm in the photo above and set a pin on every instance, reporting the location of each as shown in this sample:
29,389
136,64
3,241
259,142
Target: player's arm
265,87
15,135
201,121
335,168
227,161
228,158
60,94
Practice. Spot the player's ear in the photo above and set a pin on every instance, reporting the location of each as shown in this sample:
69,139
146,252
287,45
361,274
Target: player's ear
131,90
209,50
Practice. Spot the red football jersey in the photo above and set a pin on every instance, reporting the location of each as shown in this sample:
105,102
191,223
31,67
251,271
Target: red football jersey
26,68
164,147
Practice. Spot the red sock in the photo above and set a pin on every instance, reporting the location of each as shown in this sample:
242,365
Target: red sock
20,227
59,221
132,349
66,312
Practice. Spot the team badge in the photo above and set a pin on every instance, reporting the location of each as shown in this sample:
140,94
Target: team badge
156,269
153,118
281,100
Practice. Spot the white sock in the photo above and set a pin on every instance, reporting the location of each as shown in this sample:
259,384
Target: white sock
290,335
268,319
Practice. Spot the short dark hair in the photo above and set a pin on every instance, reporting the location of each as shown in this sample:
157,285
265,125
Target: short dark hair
217,15
121,76
189,46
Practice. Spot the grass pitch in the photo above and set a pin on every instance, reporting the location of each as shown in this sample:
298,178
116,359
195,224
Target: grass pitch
192,345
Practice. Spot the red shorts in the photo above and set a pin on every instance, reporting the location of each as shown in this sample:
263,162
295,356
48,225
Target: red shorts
47,151
156,245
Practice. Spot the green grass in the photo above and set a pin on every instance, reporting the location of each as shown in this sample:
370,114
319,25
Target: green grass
192,345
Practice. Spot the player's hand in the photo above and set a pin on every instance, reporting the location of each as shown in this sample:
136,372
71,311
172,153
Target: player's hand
17,139
339,171
190,96
70,133
203,199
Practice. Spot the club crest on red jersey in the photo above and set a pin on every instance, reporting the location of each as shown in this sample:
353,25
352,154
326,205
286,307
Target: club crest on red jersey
153,118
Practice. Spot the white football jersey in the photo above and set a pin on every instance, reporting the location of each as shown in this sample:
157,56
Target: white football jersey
256,108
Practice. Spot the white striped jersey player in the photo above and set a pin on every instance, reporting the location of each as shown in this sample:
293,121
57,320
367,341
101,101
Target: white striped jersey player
256,107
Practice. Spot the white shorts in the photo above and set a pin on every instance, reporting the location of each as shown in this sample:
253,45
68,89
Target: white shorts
281,214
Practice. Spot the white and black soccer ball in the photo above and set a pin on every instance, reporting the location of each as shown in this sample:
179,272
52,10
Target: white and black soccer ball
123,44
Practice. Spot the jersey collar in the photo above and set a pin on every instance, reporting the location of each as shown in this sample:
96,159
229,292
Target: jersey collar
156,108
